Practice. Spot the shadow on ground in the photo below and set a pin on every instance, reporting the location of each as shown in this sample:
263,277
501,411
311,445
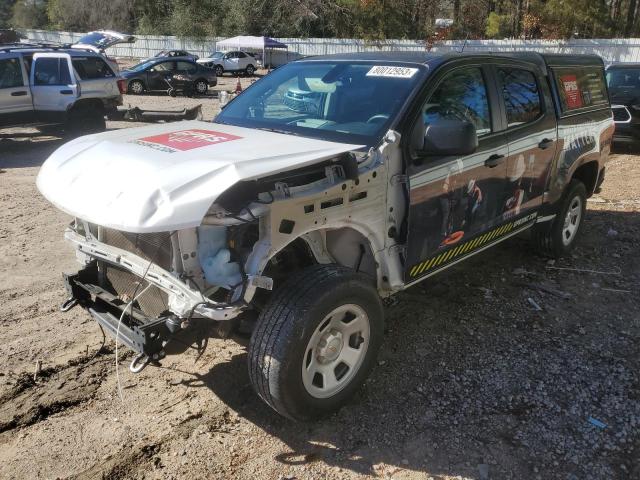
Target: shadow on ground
499,362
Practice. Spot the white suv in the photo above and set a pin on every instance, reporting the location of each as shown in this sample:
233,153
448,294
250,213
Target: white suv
50,89
233,62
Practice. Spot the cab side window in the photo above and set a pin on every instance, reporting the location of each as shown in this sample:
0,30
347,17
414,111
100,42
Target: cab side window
10,73
461,95
521,96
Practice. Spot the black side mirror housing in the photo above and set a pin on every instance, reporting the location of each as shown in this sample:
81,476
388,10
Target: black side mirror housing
446,137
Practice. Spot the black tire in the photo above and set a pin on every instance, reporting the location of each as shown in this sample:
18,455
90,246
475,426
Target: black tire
200,87
135,87
85,120
285,327
250,70
219,70
550,237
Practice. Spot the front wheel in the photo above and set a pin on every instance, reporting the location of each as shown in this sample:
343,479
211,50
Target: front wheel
250,70
558,237
316,341
219,70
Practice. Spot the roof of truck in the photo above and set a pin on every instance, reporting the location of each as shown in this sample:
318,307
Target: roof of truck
423,58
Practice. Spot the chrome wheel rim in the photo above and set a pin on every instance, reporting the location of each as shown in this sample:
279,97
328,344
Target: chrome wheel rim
201,87
136,87
572,221
250,70
335,351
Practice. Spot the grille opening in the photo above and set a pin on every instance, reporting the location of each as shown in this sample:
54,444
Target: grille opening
154,247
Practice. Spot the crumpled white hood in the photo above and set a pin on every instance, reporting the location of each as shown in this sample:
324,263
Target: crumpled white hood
165,177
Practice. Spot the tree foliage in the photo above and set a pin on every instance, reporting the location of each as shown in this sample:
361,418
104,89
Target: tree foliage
369,19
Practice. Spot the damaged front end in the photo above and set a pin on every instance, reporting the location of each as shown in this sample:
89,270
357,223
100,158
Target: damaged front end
146,288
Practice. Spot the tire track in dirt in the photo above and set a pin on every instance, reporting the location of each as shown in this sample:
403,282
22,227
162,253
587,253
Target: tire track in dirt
56,389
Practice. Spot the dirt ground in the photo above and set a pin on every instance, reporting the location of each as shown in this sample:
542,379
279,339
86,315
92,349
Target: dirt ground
490,370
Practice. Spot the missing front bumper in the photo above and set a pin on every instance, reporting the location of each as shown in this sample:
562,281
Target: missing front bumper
138,332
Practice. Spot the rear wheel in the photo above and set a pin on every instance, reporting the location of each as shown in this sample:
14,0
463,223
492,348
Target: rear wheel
558,237
316,341
136,87
201,87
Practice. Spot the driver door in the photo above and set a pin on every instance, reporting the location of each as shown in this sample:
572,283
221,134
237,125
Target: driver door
157,74
456,201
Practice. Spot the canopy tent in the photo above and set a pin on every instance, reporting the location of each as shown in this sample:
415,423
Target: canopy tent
246,42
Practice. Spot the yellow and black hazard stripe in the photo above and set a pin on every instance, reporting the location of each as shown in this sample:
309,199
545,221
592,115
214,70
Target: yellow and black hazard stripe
439,261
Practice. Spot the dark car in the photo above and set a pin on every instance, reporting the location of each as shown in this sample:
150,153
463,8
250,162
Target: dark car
161,75
176,53
624,92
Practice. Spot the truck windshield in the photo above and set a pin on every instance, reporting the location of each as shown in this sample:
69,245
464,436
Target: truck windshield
336,101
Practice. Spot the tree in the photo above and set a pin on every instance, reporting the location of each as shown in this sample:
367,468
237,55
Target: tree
29,14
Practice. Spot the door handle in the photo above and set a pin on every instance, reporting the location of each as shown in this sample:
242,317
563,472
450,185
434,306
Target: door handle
494,160
66,92
19,93
545,143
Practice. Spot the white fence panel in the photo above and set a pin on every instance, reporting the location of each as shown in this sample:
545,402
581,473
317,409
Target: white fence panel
611,50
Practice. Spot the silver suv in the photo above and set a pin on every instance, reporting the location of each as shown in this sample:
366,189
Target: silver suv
51,89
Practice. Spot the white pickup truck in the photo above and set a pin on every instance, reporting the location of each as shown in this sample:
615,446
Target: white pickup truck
324,187
56,89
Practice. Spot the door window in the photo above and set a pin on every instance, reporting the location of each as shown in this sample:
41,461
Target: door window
51,71
521,96
10,73
186,67
241,55
462,95
164,66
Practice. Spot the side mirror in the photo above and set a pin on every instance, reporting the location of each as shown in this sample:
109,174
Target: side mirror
448,137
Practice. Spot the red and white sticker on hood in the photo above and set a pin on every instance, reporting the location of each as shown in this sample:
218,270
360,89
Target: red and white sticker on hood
184,140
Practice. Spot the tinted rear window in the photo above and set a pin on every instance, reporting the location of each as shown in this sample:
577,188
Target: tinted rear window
90,68
581,88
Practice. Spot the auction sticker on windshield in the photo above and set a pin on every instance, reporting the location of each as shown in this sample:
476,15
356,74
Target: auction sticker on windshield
395,72
184,140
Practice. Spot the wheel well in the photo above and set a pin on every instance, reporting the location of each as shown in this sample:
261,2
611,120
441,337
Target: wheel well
344,246
88,104
588,175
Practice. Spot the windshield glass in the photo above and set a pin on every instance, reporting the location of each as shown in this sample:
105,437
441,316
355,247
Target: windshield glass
623,78
338,101
141,66
216,55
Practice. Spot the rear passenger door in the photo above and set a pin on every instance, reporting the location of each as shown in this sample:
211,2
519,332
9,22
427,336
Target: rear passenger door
15,96
531,132
54,86
455,202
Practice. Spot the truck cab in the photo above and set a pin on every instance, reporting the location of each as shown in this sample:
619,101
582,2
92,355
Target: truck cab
327,186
